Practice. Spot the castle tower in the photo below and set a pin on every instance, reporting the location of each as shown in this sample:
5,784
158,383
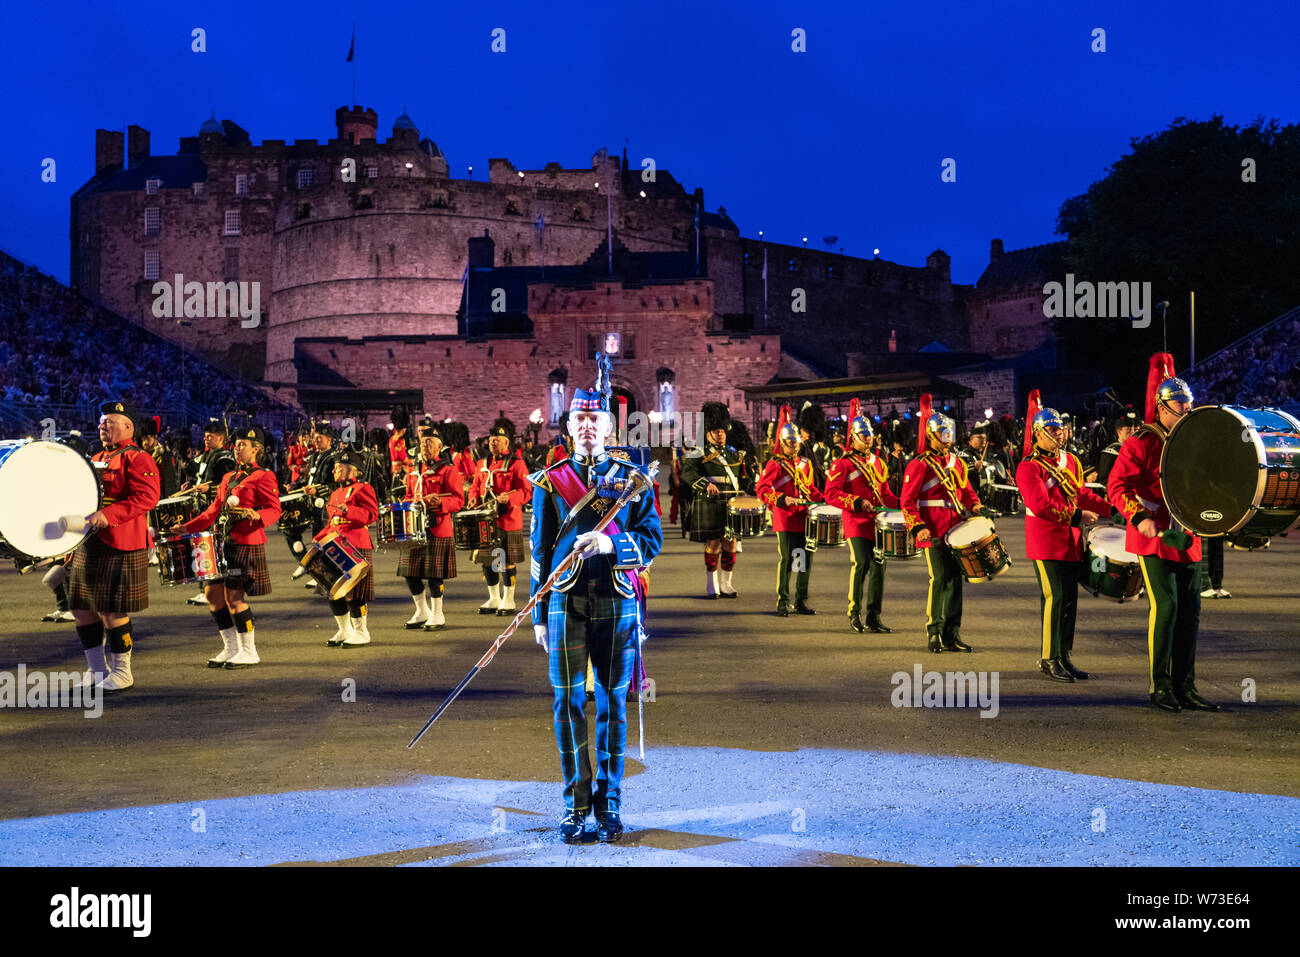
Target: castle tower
356,123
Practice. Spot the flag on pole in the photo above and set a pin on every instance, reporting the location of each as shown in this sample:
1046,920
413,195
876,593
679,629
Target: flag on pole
352,47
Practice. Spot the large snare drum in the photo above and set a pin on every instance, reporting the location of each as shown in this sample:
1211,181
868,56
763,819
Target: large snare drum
402,525
1229,469
335,565
746,517
892,537
825,527
295,513
1006,498
977,548
191,557
474,527
40,483
172,511
1114,572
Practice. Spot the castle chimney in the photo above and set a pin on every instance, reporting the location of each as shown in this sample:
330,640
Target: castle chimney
108,150
137,145
482,251
356,124
995,251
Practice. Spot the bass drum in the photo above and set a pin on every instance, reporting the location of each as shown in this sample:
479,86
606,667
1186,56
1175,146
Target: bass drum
1227,469
40,483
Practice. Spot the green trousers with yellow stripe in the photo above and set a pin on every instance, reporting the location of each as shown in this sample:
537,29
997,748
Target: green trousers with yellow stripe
867,567
943,600
1174,591
1058,587
794,555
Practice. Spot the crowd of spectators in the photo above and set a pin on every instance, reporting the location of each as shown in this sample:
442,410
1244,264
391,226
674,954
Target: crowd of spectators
1262,370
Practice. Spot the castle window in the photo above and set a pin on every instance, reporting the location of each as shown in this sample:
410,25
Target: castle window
791,265
439,200
232,222
506,257
241,185
677,232
152,221
579,215
306,177
232,263
372,171
152,264
365,201
511,208
834,272
748,257
151,186
200,190
304,210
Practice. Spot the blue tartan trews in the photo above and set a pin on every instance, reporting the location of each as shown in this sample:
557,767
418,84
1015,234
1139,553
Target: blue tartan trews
586,622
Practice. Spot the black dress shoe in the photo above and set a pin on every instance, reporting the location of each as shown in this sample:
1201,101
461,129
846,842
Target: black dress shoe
1194,702
572,826
1068,665
608,827
955,644
936,645
486,611
856,624
1166,701
728,594
1055,669
801,608
783,609
879,627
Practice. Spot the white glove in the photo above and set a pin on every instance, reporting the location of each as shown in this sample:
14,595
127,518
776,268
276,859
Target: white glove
539,631
591,544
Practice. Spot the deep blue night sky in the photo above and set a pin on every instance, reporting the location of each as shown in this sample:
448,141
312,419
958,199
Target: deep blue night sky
845,139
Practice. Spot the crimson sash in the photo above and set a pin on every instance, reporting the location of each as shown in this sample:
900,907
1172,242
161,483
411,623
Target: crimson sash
570,488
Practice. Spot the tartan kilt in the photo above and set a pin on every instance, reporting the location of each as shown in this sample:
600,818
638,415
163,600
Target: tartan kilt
107,580
511,541
246,569
435,559
364,590
708,518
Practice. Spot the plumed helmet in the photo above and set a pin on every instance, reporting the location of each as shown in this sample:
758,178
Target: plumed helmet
1173,389
940,428
861,425
788,433
1047,418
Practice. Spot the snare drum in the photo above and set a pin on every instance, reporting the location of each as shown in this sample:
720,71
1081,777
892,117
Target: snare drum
892,537
41,482
1114,572
825,527
1227,469
474,527
402,525
187,558
295,513
335,565
172,511
746,517
977,548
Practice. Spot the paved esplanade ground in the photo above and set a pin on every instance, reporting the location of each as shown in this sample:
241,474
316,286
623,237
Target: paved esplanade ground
770,741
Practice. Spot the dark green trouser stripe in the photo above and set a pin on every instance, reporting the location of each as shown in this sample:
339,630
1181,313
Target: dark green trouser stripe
792,548
871,568
1173,589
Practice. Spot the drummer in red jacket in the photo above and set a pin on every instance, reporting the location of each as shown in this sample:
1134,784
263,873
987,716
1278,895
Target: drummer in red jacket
857,484
1167,552
247,501
108,574
937,495
786,486
353,505
436,484
501,485
1057,504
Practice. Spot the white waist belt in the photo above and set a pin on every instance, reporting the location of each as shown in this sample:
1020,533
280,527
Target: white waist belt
934,503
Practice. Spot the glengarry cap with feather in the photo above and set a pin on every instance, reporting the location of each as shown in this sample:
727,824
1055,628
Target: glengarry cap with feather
596,399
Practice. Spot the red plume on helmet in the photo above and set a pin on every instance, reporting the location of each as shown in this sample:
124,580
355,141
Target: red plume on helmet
923,416
1160,369
1035,406
786,415
855,410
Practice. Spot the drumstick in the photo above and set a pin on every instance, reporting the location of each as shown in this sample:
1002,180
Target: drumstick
72,523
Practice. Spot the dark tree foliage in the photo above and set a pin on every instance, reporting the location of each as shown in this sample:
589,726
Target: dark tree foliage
1176,212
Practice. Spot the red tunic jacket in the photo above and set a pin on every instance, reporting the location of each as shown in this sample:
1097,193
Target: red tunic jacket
926,502
1052,517
791,476
860,476
352,507
1134,489
257,490
509,475
437,479
132,487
